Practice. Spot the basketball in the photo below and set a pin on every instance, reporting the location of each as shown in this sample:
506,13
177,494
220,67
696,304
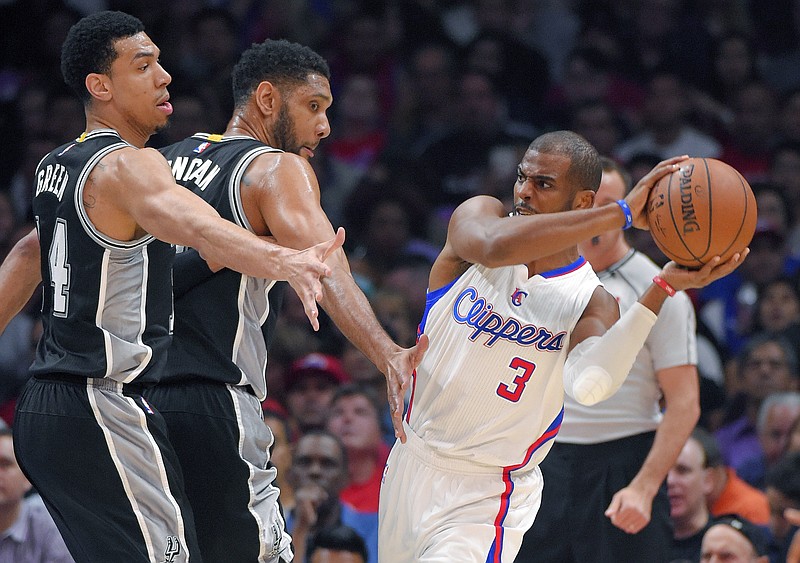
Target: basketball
703,209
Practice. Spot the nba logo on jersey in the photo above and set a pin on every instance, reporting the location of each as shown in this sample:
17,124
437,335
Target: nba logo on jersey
201,147
147,406
517,297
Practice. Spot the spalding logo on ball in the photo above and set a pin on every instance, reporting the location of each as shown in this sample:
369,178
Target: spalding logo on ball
703,209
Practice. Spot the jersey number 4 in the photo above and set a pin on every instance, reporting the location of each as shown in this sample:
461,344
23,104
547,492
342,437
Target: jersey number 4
514,391
59,269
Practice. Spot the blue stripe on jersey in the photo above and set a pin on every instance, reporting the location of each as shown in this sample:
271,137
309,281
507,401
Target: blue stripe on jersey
564,269
495,551
430,301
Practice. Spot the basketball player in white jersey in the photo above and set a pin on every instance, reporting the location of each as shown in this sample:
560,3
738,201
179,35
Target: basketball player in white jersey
514,316
605,472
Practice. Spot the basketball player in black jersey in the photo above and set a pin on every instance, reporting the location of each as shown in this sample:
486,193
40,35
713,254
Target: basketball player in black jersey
258,176
107,211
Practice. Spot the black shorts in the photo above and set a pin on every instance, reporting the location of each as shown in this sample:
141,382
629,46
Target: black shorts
579,482
223,446
99,455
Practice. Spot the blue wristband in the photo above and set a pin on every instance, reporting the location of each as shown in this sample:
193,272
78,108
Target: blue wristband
627,211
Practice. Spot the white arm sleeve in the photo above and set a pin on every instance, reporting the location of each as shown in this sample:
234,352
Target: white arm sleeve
596,368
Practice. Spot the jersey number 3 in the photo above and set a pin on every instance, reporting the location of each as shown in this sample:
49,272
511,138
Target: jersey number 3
514,391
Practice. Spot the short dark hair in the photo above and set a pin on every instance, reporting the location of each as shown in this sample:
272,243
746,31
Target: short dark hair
784,476
89,47
710,447
340,538
358,390
611,165
585,169
280,62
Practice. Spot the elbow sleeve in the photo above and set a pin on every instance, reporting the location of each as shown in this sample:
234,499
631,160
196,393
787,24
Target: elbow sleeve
596,368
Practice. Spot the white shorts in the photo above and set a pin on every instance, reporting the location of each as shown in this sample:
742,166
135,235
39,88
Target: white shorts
439,509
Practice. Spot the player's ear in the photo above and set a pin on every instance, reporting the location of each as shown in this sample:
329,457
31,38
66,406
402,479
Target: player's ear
98,86
584,199
267,97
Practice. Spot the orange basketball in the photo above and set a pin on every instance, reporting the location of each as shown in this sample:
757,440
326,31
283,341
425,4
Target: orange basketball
703,209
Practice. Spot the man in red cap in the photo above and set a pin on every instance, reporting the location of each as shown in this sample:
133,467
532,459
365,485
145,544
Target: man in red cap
310,385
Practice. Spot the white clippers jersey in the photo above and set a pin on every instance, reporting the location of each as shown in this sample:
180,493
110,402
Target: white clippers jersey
490,387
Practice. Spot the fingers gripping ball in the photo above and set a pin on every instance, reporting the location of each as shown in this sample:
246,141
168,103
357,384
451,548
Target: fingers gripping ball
703,209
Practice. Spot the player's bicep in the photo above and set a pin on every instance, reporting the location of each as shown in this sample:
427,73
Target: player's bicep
147,190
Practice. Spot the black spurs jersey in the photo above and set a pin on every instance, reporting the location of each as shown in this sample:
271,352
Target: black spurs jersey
222,324
107,303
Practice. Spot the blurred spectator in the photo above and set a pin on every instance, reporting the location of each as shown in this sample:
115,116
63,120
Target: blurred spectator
589,76
784,174
688,483
767,365
207,65
753,132
778,310
27,531
597,122
318,474
425,110
777,415
727,306
385,225
657,39
783,492
666,129
460,164
504,59
361,44
777,26
537,23
410,277
728,494
338,544
733,66
355,420
733,538
310,386
789,121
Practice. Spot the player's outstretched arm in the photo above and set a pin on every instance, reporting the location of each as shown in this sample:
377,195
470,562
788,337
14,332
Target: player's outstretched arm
287,195
142,184
20,274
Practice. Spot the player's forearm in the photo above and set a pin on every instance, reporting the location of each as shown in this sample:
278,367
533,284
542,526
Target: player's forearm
352,313
680,418
20,274
528,238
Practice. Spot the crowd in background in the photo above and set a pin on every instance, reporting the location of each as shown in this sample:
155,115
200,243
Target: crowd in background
436,101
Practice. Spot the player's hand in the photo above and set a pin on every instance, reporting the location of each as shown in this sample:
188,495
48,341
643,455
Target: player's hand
637,198
630,510
683,278
305,268
398,377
